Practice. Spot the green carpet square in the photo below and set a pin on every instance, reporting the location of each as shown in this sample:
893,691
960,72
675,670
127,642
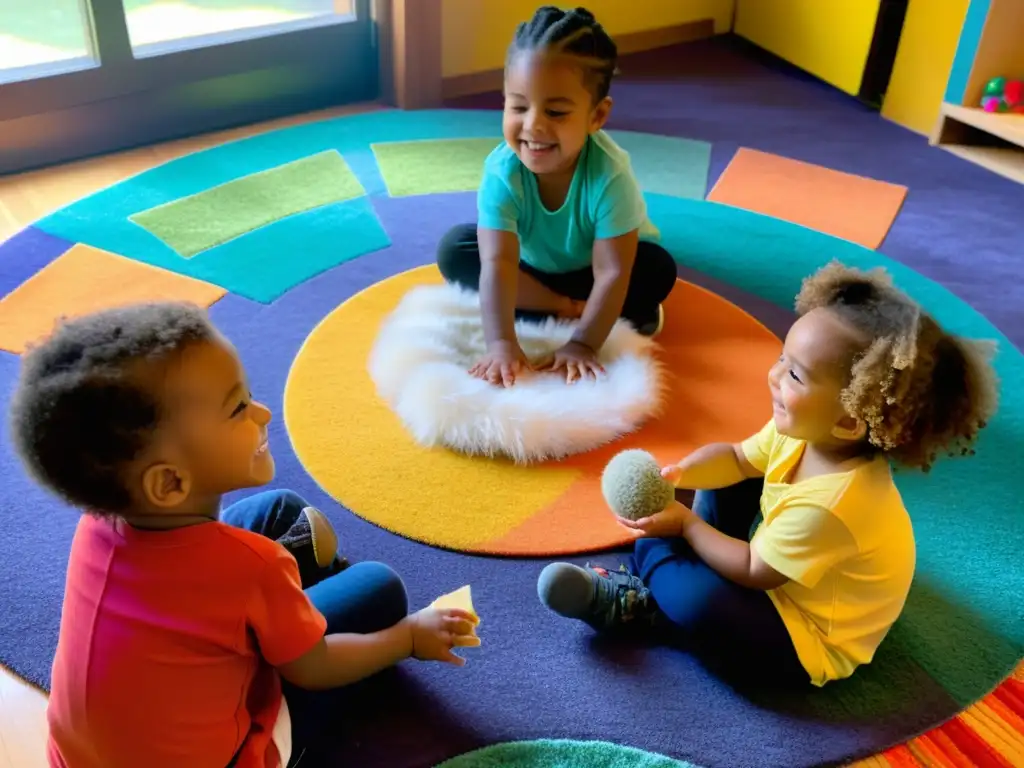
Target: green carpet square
201,221
428,167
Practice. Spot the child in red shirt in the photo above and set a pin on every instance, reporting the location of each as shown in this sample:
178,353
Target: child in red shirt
180,620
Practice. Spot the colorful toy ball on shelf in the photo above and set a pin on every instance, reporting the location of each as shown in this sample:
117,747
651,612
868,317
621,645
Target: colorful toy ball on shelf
1002,95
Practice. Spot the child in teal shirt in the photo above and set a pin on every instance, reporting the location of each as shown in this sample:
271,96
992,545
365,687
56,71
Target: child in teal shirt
562,224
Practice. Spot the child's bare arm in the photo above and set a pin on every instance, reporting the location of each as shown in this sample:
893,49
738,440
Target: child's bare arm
735,559
342,659
613,267
499,274
717,465
339,660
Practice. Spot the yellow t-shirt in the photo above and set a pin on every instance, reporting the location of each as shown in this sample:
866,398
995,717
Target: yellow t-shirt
845,542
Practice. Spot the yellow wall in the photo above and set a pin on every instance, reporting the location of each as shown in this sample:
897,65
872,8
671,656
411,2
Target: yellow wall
828,38
925,57
476,33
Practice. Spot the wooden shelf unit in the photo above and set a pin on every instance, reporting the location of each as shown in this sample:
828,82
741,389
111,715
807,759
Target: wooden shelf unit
991,140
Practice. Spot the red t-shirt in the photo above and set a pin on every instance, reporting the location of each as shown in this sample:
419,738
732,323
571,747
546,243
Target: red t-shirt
168,644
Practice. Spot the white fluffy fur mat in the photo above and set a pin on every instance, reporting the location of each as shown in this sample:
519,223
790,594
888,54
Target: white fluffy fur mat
420,363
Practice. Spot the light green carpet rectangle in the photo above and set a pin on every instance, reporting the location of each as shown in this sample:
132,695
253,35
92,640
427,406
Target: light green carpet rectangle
432,166
214,216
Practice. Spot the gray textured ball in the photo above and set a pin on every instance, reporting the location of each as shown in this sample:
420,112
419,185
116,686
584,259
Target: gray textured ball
633,486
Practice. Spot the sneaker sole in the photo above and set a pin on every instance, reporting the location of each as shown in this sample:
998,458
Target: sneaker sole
661,321
325,540
658,326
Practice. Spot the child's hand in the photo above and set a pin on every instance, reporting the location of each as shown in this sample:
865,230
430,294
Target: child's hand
501,364
672,473
436,631
669,524
579,361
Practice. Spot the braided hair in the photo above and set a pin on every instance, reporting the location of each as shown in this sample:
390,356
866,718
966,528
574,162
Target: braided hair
575,33
920,390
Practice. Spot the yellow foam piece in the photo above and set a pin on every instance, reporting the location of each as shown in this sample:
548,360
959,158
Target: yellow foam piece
460,599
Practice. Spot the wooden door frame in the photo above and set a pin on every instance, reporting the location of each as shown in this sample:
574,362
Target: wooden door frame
410,52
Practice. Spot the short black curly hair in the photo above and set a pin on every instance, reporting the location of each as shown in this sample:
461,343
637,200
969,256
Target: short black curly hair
920,390
574,32
86,403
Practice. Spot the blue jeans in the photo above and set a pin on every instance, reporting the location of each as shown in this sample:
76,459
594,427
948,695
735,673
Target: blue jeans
736,630
366,597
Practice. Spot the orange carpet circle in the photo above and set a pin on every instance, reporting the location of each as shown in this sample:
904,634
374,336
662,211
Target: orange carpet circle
717,359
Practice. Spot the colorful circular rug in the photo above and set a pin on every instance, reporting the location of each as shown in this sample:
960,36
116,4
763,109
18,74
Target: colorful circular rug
345,218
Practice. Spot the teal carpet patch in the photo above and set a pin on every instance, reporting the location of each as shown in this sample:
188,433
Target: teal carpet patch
264,264
666,165
552,753
958,625
198,222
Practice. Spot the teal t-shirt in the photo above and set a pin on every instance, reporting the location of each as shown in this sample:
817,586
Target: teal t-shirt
604,201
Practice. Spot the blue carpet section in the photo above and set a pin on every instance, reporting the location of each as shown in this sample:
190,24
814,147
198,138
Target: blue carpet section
537,676
667,165
25,254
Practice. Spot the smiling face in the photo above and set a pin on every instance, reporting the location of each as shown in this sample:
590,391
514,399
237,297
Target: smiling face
549,111
214,439
808,380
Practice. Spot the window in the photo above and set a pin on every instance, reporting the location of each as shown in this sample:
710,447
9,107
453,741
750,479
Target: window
80,77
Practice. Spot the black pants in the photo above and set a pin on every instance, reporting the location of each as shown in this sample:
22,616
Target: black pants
654,275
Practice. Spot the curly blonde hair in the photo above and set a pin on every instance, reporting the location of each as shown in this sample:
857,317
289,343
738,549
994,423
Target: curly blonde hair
919,390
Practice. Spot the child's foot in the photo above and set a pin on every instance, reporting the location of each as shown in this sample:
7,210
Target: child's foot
314,545
651,326
606,600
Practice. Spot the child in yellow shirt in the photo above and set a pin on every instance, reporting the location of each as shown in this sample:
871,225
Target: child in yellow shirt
798,554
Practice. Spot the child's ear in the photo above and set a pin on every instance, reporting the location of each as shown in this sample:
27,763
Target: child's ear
165,486
600,114
850,428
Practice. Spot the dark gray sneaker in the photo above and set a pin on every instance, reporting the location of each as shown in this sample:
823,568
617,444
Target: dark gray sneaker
606,600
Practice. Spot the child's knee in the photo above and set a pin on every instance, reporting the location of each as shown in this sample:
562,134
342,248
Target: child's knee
658,265
691,611
289,500
456,247
389,592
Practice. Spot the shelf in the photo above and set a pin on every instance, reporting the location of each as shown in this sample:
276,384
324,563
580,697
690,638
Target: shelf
1005,162
992,140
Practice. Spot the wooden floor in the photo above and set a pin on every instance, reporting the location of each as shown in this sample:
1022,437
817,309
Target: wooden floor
24,198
